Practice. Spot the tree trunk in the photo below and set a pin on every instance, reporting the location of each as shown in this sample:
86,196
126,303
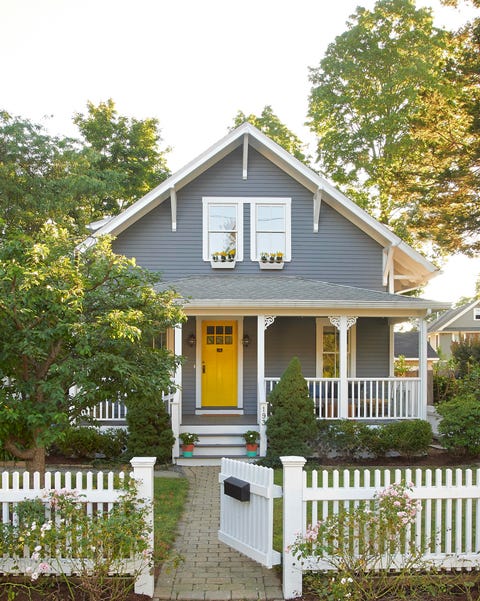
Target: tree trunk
37,462
34,457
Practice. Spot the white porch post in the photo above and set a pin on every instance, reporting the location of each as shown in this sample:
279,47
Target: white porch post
422,367
176,407
262,400
343,323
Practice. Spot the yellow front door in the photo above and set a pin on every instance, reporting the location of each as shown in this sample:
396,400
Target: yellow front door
219,364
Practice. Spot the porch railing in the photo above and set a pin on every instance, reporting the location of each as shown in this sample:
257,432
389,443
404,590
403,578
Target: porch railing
115,412
368,398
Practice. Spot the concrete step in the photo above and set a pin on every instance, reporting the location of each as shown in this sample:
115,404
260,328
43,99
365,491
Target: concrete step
202,461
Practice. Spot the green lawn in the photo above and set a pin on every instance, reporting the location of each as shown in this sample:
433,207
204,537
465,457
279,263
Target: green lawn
170,496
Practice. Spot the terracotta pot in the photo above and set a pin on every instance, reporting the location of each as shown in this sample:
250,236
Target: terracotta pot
251,449
188,450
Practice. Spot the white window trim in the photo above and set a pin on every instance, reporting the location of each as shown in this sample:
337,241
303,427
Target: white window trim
228,200
321,322
287,202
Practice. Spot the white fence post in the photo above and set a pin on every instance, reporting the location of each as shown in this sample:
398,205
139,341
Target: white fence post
143,474
292,523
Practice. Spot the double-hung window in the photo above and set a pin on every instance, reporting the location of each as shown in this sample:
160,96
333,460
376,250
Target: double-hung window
270,227
222,227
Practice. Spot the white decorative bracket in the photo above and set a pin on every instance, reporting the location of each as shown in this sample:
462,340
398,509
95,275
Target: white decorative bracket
245,157
317,202
269,319
173,202
335,320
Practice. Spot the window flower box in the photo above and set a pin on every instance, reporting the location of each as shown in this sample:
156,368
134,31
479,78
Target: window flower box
223,264
271,260
268,265
223,260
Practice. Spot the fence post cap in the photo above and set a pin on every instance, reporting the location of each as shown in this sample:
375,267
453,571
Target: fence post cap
293,461
143,461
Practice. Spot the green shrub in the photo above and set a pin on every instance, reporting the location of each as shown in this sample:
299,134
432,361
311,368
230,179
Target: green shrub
82,442
291,424
409,437
113,443
149,431
460,425
466,355
350,439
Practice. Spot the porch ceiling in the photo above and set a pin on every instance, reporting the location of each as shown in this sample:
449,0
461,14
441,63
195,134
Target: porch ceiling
282,293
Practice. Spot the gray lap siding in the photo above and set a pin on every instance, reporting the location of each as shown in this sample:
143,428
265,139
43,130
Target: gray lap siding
339,253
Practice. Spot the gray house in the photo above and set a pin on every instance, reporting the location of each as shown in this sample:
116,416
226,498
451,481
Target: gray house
456,325
274,262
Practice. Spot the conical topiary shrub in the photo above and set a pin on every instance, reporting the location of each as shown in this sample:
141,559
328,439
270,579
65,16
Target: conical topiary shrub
291,424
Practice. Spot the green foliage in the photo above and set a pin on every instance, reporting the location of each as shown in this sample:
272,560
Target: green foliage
445,383
270,125
94,544
149,428
84,320
466,355
365,539
407,437
86,442
383,92
74,182
354,440
460,424
291,425
123,155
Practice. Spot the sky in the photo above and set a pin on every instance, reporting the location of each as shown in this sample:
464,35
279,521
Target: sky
192,64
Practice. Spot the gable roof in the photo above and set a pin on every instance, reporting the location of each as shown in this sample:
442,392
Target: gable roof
414,270
280,293
406,344
449,317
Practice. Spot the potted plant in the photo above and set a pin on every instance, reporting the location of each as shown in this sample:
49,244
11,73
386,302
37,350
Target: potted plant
264,257
279,257
223,256
215,256
271,257
231,255
251,437
188,443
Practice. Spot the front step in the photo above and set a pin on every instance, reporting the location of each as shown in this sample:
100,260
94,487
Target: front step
216,441
203,461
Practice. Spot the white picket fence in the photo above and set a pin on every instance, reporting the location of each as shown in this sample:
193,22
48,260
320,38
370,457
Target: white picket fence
446,528
98,491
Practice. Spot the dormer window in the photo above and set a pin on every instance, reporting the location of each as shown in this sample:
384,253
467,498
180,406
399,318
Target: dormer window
222,228
476,314
270,227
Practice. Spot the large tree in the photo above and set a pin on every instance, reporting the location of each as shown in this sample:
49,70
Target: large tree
75,181
124,152
372,85
269,123
77,328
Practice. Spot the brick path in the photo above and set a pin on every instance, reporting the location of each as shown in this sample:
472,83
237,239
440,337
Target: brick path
210,570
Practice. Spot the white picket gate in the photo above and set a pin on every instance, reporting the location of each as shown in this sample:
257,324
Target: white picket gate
248,526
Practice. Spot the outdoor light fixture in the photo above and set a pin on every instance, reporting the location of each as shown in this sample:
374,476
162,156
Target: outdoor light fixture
246,340
192,339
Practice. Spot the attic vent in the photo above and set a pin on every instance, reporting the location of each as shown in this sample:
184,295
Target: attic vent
476,314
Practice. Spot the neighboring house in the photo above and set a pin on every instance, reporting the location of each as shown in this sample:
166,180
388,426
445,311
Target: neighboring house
406,346
332,298
456,325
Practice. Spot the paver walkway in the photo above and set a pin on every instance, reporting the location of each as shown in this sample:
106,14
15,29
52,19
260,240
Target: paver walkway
210,570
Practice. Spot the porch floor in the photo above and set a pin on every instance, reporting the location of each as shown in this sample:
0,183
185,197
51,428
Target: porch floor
219,420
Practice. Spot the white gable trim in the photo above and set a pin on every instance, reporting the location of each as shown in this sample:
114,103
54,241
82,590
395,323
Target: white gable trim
414,262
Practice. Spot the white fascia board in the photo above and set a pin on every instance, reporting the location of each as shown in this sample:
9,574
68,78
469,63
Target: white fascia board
291,165
343,204
178,179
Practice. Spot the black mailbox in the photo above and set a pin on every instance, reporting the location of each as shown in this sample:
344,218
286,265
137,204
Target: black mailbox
236,488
